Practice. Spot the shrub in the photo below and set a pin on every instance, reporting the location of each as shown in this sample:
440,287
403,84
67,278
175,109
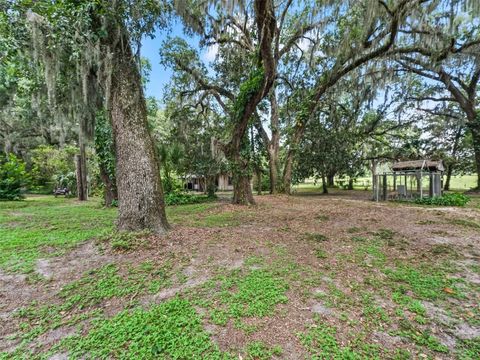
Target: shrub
453,199
49,162
180,198
13,177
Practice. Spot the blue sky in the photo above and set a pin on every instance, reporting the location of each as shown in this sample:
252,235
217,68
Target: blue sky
160,76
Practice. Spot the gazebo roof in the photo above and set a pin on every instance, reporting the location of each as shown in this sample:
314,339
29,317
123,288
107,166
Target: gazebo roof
429,165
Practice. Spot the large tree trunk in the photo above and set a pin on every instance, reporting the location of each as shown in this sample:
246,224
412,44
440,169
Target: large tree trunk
140,194
242,189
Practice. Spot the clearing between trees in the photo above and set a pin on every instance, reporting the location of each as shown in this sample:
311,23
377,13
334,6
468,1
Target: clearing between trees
306,276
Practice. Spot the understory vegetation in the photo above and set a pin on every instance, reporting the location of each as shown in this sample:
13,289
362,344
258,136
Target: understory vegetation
453,199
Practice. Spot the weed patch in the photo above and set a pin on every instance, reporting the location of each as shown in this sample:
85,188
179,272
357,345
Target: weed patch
321,254
384,234
257,350
125,240
419,337
253,295
316,237
425,283
320,341
170,330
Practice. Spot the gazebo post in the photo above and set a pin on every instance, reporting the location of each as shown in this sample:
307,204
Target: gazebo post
384,186
431,185
420,184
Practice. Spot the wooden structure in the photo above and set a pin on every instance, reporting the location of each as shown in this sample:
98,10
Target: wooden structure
223,182
409,180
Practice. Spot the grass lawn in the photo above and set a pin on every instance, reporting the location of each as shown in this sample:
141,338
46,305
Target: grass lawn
316,277
457,183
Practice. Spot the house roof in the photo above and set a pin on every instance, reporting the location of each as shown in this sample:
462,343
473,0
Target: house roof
419,165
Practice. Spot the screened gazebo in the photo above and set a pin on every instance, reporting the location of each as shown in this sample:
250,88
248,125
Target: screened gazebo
409,180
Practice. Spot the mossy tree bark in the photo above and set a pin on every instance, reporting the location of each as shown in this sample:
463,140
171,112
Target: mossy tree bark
140,195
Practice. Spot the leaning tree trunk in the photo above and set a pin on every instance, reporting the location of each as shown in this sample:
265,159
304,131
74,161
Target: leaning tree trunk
140,195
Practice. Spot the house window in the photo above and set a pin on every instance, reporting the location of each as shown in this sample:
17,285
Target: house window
230,181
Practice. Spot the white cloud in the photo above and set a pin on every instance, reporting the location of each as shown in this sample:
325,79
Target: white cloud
304,44
211,53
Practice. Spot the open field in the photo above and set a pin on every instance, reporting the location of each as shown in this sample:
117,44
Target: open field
457,183
307,276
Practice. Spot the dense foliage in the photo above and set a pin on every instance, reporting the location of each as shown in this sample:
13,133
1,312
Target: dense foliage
181,198
13,177
52,166
453,199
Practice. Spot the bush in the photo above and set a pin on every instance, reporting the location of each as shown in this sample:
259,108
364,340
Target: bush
13,177
454,199
49,162
179,198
